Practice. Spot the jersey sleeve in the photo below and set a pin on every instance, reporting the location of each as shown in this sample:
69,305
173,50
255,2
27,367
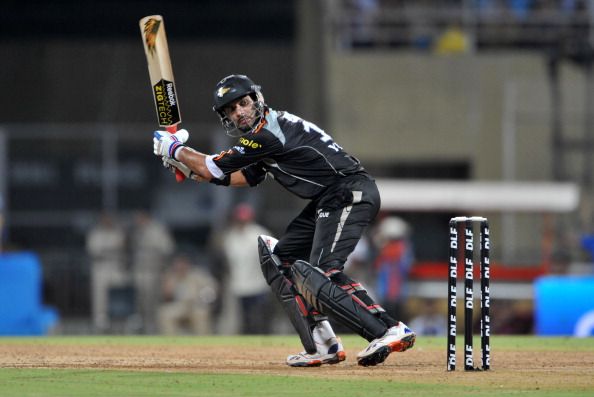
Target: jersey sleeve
249,149
254,173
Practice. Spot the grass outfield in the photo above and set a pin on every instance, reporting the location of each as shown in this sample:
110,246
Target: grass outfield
253,366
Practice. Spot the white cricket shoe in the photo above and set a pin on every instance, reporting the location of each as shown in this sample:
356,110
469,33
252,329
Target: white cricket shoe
330,350
397,339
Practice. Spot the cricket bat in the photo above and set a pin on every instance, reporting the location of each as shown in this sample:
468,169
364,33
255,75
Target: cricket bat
152,29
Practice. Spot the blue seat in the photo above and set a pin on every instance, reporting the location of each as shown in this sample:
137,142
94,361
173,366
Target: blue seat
21,309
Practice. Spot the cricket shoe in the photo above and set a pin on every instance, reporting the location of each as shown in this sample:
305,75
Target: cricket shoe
334,355
329,349
397,339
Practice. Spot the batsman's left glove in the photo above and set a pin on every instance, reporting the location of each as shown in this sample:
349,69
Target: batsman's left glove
168,145
172,165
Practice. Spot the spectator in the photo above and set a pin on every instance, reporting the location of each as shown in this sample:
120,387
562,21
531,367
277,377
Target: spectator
246,283
364,21
152,246
452,41
188,294
392,264
106,245
359,264
431,321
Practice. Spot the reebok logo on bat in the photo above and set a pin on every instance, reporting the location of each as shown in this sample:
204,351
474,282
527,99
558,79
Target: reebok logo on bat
171,94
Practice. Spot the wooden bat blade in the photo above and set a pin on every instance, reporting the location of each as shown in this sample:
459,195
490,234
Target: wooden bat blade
154,38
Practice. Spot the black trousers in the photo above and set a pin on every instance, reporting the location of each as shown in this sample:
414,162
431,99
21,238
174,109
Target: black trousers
329,227
327,231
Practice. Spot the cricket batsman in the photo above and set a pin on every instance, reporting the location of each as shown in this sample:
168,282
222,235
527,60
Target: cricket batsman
304,267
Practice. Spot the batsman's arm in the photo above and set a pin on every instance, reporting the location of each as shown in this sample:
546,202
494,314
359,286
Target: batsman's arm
197,162
195,165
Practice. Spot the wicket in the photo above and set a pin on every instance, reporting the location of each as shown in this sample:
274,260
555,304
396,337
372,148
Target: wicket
467,223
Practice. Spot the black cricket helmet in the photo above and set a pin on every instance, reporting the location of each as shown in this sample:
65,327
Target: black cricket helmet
233,87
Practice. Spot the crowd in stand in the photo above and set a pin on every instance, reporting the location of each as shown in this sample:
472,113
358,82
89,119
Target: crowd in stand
223,291
486,23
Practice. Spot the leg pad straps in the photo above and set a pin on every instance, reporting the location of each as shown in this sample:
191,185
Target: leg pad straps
330,299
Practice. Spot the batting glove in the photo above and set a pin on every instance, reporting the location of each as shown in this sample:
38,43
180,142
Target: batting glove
172,165
167,145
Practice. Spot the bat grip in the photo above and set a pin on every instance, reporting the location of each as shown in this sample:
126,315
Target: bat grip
179,176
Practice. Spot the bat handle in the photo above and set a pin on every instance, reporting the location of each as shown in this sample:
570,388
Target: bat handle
179,176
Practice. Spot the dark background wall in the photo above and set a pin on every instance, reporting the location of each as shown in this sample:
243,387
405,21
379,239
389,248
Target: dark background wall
70,61
76,117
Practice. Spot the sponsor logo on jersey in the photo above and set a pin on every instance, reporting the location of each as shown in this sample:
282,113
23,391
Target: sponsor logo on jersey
250,143
323,214
239,149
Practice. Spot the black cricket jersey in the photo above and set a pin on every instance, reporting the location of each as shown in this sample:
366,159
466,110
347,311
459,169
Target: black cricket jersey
296,153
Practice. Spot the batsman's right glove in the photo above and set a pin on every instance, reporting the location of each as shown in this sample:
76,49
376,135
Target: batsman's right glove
166,144
172,165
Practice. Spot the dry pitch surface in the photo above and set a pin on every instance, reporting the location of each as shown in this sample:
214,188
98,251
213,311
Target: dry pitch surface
524,370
